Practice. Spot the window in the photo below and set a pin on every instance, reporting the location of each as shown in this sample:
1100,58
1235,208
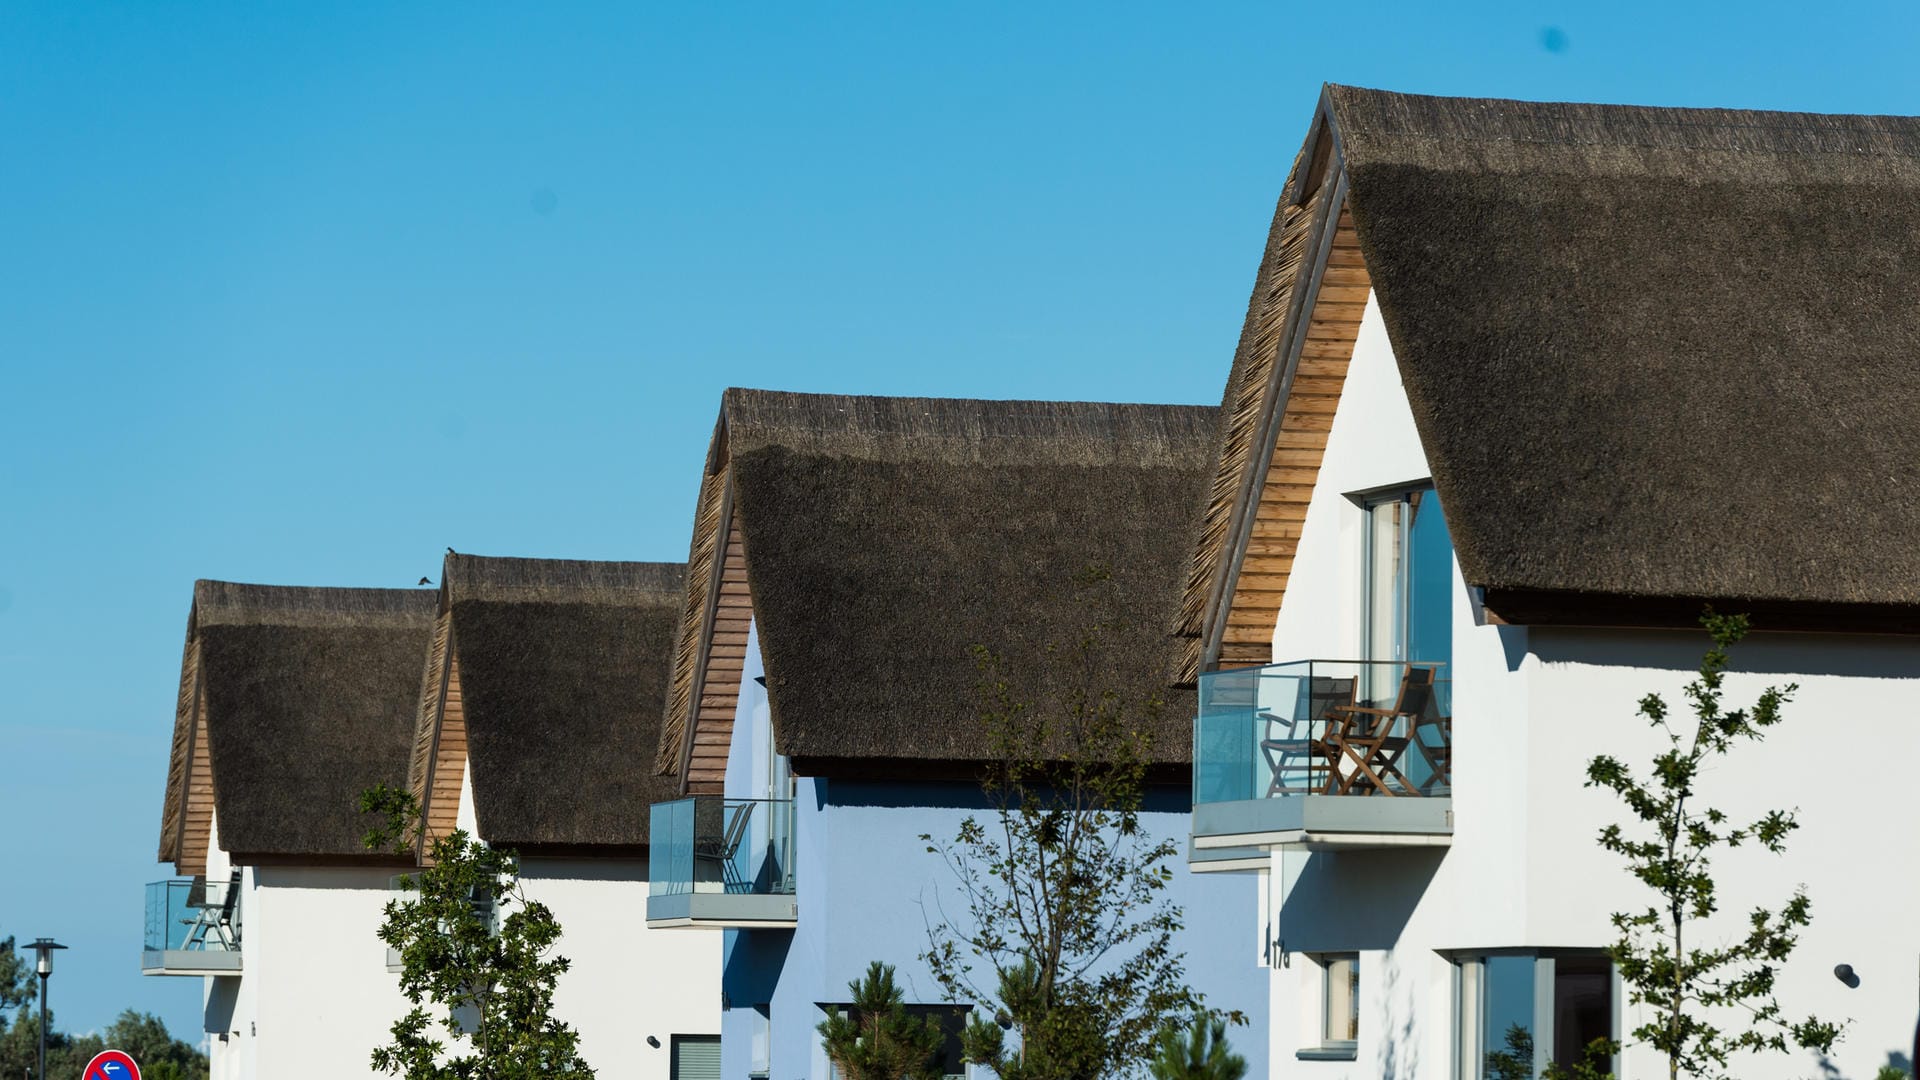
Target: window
1409,579
1518,1012
1339,1009
696,1057
1341,1001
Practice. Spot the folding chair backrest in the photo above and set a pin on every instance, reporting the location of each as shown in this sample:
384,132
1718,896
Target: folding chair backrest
1416,690
232,898
736,830
1329,693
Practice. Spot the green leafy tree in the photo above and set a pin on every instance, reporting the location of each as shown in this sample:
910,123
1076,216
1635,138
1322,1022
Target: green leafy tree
1197,1051
16,976
473,946
1708,1003
1064,894
161,1056
879,1040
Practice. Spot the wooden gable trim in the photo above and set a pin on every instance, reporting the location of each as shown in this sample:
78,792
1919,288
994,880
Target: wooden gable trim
722,661
436,770
1303,376
173,808
1321,349
197,821
703,558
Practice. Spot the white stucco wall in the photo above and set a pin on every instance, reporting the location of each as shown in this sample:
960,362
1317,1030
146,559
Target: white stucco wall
1531,707
626,982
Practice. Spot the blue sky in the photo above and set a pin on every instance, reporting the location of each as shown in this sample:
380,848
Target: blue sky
306,295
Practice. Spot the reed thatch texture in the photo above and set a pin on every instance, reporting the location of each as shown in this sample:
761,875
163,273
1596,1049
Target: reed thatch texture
307,697
563,670
885,537
1251,383
1654,353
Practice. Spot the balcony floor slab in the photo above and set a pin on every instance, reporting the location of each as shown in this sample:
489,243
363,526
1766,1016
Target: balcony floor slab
719,910
1322,823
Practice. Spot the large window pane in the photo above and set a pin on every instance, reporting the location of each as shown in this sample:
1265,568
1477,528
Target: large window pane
1429,619
1582,1005
1506,1017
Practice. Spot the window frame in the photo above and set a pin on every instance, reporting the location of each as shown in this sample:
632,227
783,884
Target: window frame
1469,978
1325,1047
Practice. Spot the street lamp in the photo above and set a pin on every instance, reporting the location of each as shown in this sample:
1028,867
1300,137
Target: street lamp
43,948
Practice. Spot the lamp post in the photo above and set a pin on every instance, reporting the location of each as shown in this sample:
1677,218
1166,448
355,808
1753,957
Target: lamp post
43,948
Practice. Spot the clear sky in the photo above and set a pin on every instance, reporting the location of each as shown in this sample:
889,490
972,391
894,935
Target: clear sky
304,295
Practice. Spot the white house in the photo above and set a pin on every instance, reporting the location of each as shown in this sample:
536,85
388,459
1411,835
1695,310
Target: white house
1522,388
545,685
849,554
292,702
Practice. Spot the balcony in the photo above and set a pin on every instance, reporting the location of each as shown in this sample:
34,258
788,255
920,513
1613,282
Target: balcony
193,927
1321,755
717,862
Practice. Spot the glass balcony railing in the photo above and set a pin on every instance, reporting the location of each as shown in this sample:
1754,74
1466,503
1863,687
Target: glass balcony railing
710,848
193,926
1324,728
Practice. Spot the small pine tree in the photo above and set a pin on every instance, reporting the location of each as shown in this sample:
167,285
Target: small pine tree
879,1040
1198,1051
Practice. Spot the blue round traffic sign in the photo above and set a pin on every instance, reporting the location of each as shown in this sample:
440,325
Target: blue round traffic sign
111,1065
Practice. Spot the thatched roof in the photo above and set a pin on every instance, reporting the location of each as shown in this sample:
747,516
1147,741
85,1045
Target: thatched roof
562,670
885,537
307,697
1655,356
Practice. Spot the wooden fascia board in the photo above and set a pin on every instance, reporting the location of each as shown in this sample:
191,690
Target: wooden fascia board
177,850
1280,384
439,715
723,525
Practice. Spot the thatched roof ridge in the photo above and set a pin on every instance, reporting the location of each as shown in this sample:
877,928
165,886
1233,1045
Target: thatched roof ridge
1653,352
562,669
229,603
884,537
308,697
958,431
569,581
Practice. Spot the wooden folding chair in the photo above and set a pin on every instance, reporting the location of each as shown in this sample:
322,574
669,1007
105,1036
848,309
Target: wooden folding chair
1366,740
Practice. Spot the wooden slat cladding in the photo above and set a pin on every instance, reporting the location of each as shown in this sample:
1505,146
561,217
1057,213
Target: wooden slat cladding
185,708
1332,326
427,724
1245,404
695,628
448,768
197,823
724,662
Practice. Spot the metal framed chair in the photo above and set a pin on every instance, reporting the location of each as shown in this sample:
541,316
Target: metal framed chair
211,916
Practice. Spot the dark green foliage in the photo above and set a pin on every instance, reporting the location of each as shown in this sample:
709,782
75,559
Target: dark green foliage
161,1056
1065,896
16,976
1197,1051
1692,990
475,947
1515,1061
879,1040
